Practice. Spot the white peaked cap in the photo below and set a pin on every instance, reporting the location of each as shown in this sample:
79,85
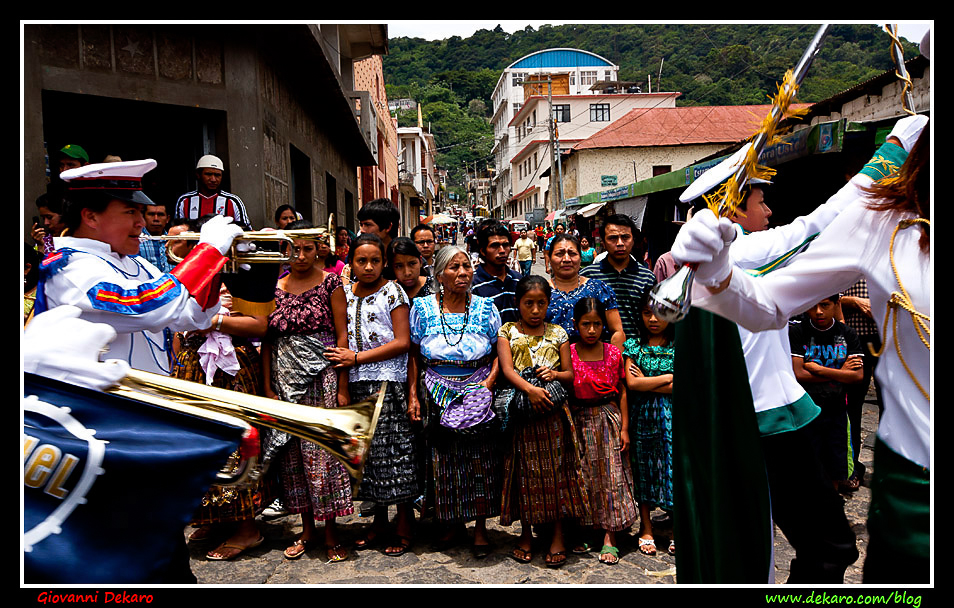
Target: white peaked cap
714,177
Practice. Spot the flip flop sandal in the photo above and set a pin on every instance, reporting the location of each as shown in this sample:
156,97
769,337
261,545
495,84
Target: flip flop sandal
224,558
609,550
334,554
404,543
370,540
301,547
521,555
582,548
551,563
200,534
647,542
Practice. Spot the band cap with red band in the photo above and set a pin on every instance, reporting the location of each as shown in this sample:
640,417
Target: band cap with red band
121,180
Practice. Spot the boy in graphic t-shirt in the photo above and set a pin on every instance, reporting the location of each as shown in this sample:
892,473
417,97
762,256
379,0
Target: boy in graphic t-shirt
827,357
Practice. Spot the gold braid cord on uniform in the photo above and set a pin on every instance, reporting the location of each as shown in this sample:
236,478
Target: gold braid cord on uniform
907,86
902,300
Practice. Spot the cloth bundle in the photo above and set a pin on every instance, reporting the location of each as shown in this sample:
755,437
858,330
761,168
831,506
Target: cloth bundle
518,403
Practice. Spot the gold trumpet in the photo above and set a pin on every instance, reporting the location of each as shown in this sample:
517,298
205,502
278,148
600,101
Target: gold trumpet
345,432
245,249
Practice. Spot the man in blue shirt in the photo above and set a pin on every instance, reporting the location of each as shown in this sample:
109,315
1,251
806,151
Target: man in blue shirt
493,278
156,218
620,268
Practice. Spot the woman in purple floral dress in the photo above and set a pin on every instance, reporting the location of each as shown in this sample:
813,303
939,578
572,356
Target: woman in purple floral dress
299,330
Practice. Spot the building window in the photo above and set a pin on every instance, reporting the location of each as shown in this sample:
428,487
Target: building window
561,113
518,78
588,77
599,112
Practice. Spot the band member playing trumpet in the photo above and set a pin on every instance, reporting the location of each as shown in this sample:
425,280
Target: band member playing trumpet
97,267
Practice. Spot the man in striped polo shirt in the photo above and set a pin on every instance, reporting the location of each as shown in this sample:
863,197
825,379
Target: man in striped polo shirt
493,278
620,268
209,197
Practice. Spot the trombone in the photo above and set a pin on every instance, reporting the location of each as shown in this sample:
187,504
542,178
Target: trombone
345,432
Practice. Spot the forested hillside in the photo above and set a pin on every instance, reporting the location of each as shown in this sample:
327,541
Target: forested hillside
719,64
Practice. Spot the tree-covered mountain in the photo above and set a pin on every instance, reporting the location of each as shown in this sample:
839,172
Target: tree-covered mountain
711,64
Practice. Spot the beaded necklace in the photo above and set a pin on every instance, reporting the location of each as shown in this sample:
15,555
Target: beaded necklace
445,325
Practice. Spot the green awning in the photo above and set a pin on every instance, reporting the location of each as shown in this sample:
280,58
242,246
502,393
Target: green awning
822,138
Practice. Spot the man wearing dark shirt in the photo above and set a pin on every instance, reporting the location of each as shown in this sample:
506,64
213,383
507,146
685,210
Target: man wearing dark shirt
493,278
629,278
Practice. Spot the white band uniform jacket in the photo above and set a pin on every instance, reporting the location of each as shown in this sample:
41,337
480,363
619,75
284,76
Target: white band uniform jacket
127,293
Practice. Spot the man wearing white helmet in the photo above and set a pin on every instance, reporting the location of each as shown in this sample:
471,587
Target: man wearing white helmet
208,197
804,505
97,267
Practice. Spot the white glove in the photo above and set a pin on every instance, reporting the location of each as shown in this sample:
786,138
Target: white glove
908,130
219,232
58,344
705,240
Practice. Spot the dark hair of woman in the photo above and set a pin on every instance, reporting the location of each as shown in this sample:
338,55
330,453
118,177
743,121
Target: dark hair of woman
282,209
402,245
366,238
564,236
332,259
908,190
643,337
585,305
530,283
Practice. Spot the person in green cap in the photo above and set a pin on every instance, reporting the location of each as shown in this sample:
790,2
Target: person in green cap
72,157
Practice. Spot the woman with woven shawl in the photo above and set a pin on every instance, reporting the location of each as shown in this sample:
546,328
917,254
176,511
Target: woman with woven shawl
314,483
454,333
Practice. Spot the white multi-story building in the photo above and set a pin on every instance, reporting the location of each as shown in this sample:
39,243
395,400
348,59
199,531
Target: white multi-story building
418,180
584,69
581,91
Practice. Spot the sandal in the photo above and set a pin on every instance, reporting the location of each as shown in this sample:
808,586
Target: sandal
404,544
613,552
201,533
672,547
370,540
647,542
551,560
582,548
297,549
521,555
335,555
236,550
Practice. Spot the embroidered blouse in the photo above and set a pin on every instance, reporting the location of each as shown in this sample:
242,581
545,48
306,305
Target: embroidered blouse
369,326
445,341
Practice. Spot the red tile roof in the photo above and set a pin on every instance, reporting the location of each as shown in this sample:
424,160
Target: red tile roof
680,126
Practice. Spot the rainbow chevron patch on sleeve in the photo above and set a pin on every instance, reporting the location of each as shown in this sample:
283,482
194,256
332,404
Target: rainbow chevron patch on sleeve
143,298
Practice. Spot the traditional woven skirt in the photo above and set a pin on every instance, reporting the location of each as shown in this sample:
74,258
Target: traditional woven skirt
312,479
609,478
224,504
392,473
650,431
543,473
465,471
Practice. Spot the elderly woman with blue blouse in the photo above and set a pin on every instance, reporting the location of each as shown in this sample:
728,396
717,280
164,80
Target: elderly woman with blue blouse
454,335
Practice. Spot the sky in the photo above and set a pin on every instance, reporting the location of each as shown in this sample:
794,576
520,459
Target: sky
438,30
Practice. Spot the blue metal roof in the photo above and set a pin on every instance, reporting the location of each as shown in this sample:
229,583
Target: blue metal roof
560,58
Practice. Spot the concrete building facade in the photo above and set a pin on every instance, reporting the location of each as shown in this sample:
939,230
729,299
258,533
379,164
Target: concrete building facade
275,102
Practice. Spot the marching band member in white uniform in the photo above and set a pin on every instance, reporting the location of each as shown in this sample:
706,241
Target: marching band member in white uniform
887,245
97,267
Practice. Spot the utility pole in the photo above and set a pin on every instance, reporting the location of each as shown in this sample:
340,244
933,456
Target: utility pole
551,126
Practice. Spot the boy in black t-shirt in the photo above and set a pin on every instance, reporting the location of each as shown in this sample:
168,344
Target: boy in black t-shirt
827,357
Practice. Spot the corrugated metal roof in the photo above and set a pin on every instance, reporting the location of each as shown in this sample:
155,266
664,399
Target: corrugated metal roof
679,126
560,58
